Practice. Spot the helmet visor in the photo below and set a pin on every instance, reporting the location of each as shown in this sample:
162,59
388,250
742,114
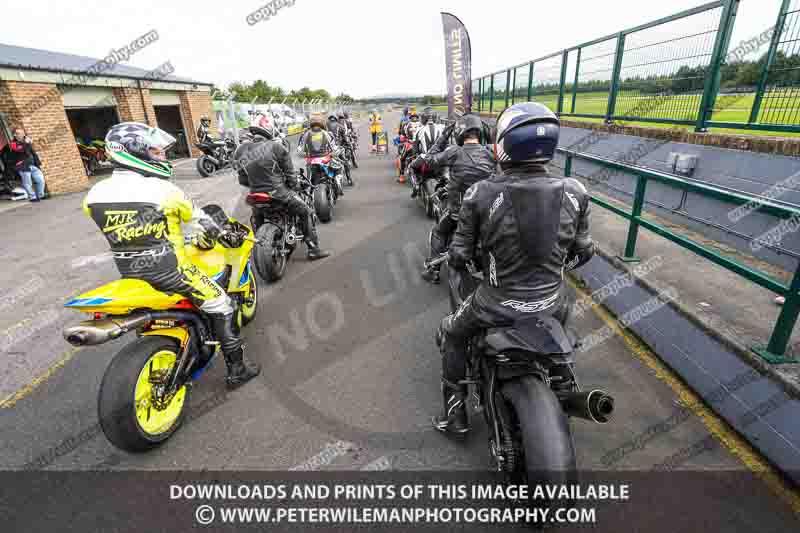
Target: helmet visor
159,139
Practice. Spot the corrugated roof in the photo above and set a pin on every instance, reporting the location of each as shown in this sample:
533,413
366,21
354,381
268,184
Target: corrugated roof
34,59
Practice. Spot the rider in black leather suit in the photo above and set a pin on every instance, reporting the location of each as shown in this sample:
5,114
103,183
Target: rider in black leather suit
268,166
469,162
531,227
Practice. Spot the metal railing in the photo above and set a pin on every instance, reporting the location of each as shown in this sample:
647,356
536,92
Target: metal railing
677,70
775,351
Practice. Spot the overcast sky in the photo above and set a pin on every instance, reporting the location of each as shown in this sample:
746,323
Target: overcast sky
360,47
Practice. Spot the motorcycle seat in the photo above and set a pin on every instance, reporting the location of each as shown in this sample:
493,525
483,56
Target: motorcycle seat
258,198
540,335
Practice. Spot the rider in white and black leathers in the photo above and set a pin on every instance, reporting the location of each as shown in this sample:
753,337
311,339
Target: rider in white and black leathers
469,162
530,227
268,167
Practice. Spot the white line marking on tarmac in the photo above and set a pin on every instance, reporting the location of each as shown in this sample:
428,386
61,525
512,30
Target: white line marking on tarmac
86,260
379,464
331,451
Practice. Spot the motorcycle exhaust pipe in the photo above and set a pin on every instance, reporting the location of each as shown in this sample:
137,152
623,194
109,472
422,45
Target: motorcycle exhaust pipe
213,159
595,406
92,332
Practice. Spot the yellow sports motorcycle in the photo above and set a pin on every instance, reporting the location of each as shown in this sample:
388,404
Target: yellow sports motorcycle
146,387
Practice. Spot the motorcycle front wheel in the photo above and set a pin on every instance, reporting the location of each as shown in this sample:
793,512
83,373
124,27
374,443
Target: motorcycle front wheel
205,166
270,262
131,416
322,202
250,298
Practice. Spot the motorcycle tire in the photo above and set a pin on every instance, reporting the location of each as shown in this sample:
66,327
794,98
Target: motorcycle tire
322,203
428,190
353,159
537,412
205,167
139,428
249,307
348,175
269,262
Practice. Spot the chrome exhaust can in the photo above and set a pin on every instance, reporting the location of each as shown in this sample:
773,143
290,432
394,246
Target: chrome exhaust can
93,332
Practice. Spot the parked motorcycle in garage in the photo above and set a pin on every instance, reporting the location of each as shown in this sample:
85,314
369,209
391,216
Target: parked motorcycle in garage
217,155
145,390
523,378
279,232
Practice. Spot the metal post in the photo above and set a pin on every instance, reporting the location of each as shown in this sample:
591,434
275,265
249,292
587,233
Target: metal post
781,334
575,83
233,121
480,94
514,85
508,85
721,43
568,165
612,98
491,94
773,48
530,82
633,228
564,61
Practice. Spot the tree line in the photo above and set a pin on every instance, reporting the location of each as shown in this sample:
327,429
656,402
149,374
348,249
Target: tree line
784,71
262,92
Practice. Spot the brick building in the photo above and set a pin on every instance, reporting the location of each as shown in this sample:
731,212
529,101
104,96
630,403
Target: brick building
58,97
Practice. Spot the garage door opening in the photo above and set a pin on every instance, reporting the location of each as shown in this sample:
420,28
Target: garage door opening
89,127
169,119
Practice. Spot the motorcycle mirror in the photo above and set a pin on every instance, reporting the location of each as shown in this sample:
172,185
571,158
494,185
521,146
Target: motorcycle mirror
216,214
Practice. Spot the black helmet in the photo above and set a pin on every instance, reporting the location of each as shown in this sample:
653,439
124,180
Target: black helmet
267,133
526,133
205,121
466,124
427,115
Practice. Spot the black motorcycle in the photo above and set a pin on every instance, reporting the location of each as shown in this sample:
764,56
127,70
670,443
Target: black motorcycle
324,173
217,154
522,377
277,230
429,189
352,148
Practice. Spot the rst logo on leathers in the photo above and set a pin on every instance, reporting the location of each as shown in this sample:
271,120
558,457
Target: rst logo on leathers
531,307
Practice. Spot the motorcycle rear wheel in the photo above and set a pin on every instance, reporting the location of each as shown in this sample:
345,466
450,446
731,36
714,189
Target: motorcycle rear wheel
537,412
128,417
428,190
270,263
322,202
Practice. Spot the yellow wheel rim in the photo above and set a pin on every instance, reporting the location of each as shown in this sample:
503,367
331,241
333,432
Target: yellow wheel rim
250,297
151,419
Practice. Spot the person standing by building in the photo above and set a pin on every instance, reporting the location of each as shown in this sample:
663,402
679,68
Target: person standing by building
20,157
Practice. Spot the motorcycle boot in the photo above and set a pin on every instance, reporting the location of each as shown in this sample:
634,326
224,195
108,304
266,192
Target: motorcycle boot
453,419
239,371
